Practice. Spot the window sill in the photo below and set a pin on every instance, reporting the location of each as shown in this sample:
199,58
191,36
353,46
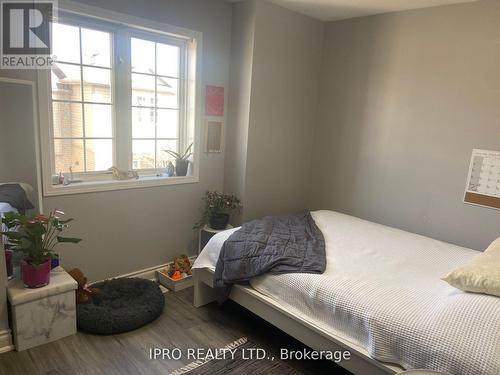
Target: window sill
110,185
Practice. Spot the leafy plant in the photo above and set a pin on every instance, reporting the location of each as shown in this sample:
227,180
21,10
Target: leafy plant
179,156
216,204
36,236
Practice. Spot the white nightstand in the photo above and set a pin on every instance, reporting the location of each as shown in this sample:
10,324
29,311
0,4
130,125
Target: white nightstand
206,233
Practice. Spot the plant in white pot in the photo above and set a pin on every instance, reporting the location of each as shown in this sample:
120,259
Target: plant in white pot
181,160
218,206
36,237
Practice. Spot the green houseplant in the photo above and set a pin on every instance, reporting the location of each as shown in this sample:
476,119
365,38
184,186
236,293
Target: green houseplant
181,160
218,206
36,237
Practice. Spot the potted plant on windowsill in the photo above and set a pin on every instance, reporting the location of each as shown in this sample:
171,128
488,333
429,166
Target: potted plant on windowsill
181,160
36,237
218,206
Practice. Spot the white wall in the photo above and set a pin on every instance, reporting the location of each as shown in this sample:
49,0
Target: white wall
127,230
405,97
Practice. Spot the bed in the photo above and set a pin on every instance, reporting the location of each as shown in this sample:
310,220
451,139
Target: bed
381,297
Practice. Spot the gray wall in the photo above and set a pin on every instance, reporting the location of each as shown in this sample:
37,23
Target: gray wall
405,97
17,136
285,84
242,50
274,110
128,230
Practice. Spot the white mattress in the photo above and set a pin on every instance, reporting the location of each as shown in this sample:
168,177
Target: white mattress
382,291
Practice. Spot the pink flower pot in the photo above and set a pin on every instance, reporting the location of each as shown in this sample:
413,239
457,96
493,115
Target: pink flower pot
35,276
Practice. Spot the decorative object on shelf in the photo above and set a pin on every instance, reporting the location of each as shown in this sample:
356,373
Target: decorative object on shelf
36,237
218,206
54,261
83,292
181,160
170,170
177,275
123,175
55,179
214,136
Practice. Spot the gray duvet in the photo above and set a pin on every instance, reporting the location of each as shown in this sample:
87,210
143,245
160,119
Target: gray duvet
274,244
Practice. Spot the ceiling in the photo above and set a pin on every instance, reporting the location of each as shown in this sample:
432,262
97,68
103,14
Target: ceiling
331,10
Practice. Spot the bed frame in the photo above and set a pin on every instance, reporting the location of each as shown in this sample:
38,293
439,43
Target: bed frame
316,338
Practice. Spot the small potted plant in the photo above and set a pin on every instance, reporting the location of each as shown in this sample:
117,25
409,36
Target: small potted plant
218,206
181,160
36,237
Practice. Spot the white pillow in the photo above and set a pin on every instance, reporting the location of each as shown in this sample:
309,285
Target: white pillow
481,274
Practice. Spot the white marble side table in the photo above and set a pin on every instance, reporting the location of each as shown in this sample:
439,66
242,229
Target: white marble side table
44,314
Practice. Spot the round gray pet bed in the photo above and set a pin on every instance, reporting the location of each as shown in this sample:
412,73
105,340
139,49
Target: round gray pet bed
121,305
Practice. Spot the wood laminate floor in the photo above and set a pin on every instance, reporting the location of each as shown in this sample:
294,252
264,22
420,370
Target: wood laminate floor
180,326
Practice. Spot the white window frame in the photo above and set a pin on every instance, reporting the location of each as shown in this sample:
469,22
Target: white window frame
102,181
99,26
183,71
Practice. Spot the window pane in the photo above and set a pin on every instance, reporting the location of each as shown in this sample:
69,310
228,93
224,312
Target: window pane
66,43
168,123
99,154
68,153
143,90
97,85
143,122
98,121
163,157
67,120
143,56
96,48
168,93
66,82
143,154
167,60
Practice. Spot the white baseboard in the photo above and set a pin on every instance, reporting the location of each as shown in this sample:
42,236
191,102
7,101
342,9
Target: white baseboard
6,341
149,273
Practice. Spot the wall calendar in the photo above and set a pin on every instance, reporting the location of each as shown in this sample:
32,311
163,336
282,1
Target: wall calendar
483,182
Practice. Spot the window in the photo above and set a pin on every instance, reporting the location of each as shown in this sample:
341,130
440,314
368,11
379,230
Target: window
155,76
82,105
117,96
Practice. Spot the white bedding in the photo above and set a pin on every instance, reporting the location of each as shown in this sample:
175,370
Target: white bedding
382,291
